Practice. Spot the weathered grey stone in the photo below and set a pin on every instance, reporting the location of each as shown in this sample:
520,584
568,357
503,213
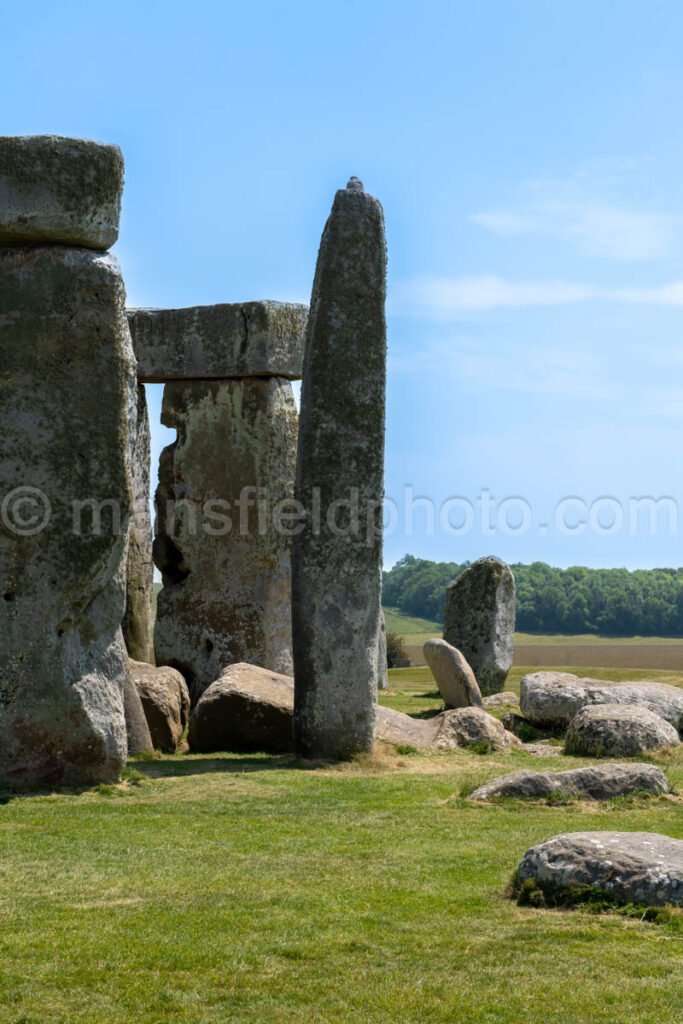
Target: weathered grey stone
239,339
452,674
248,708
634,867
552,699
137,619
137,729
224,557
618,730
165,701
603,782
501,700
57,190
479,620
67,376
403,731
336,582
382,663
468,727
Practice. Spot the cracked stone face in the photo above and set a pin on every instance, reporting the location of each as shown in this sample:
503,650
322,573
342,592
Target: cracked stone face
337,567
67,379
226,566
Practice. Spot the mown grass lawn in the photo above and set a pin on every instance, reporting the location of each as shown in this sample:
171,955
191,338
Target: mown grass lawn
251,889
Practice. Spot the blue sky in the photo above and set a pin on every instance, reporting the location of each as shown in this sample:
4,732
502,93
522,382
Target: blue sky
529,158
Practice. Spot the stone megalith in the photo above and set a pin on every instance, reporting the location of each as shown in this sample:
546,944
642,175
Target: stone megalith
382,663
59,191
67,378
336,580
480,620
224,555
137,620
221,342
452,674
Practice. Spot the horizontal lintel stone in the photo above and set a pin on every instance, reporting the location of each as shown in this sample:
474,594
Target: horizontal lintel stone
242,339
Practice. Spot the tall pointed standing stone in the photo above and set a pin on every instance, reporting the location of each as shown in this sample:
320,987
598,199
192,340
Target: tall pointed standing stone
336,581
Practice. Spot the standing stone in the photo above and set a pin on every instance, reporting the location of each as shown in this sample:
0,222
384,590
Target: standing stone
67,377
336,583
382,663
480,620
137,620
137,728
225,563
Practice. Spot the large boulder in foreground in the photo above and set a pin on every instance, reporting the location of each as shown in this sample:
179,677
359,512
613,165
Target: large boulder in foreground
165,701
247,708
602,782
633,867
618,730
479,620
472,727
453,676
552,699
403,731
250,708
60,191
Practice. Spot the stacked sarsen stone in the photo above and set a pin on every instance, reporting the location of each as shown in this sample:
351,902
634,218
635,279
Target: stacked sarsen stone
67,399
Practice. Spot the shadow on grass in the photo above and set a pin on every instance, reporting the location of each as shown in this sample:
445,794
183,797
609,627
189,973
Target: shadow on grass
183,765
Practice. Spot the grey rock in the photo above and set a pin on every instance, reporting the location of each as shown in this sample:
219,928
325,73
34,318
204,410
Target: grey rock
165,701
480,620
137,730
468,727
336,582
505,699
137,620
602,782
618,730
453,676
634,867
58,190
226,566
552,699
67,379
382,663
241,339
403,731
248,708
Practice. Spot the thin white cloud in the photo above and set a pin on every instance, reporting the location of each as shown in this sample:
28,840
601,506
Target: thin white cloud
583,210
535,369
444,297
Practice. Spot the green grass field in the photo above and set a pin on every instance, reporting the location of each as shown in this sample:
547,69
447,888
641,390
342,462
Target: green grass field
239,889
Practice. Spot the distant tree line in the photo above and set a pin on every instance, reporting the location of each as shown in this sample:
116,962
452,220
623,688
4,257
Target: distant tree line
607,602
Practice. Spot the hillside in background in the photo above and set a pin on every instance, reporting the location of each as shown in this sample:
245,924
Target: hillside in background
605,602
